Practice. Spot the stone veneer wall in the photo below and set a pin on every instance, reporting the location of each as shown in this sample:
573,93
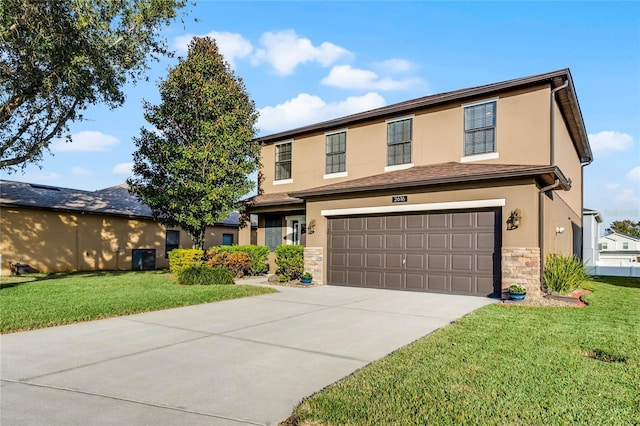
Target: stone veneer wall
313,262
521,265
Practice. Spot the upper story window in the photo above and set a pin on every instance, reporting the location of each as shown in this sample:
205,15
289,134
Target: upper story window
480,128
625,245
283,161
399,135
336,152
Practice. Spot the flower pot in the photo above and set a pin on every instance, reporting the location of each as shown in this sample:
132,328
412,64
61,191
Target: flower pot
305,280
517,296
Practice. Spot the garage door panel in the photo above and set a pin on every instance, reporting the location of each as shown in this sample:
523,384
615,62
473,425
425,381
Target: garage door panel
415,241
462,284
437,283
373,279
415,261
484,263
461,262
338,259
485,241
355,277
415,281
394,222
393,280
356,260
435,221
441,252
338,241
374,260
375,241
437,262
393,260
393,241
462,241
374,223
437,241
416,221
462,220
356,241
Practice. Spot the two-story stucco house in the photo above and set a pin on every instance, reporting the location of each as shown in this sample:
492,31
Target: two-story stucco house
459,192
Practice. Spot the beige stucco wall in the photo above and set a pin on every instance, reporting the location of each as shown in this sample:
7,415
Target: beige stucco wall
522,136
54,241
558,214
566,158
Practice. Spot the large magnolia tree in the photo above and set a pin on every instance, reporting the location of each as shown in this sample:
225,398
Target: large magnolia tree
193,166
59,56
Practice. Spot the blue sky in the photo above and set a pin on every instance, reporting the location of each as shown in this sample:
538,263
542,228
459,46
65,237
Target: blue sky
304,62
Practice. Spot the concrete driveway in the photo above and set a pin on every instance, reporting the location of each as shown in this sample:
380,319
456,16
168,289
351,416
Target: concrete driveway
237,362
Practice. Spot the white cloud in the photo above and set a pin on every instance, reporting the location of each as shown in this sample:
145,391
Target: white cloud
610,141
395,65
87,141
346,77
232,45
627,196
81,171
45,178
612,186
634,174
122,169
307,109
284,50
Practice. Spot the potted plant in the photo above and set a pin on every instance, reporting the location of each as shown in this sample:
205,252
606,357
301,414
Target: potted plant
306,278
517,292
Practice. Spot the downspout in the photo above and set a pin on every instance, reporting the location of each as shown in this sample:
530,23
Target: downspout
541,194
552,159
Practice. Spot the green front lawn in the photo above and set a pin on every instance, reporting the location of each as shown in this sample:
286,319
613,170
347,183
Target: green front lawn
504,364
37,301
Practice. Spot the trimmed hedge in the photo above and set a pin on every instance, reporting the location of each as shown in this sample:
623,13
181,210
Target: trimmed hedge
205,275
257,255
290,259
180,259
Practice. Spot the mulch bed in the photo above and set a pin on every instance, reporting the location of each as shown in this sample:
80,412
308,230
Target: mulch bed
572,300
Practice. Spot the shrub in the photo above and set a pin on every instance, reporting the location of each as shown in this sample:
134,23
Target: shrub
517,289
205,275
563,274
180,259
290,261
257,255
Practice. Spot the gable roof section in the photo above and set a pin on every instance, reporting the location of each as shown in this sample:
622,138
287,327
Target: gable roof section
275,199
567,102
438,174
616,236
115,200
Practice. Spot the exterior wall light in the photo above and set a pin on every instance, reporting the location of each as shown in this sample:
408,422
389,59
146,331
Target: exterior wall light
513,222
559,230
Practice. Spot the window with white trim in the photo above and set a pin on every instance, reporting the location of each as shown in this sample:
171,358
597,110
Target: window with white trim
625,245
480,128
399,135
336,152
283,161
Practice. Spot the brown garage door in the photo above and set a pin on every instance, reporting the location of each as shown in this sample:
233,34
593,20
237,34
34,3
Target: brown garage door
444,252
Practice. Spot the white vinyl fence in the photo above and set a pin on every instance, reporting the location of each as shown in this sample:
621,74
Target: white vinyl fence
632,270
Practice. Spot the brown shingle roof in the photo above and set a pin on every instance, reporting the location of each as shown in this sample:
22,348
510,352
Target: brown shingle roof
277,199
437,174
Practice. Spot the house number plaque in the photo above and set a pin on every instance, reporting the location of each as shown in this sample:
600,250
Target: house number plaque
399,199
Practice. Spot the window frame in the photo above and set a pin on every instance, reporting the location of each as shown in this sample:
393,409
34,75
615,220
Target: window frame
625,245
278,178
166,241
403,143
475,154
342,170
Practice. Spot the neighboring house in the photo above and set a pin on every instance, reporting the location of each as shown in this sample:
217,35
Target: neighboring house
59,229
459,192
591,221
618,249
